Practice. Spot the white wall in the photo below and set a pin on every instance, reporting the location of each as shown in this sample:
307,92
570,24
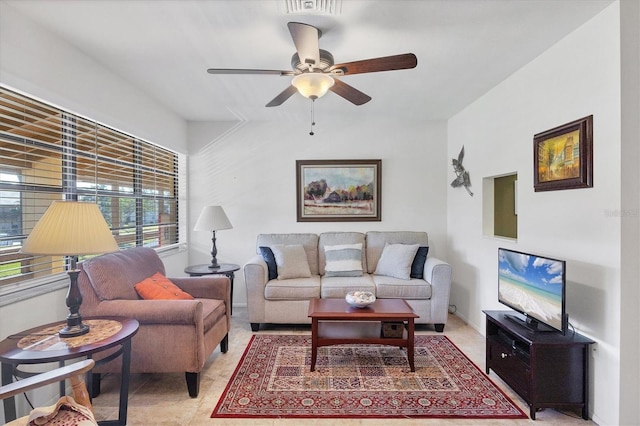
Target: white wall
251,173
577,77
37,62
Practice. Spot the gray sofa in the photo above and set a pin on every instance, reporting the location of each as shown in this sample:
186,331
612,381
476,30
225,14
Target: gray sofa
285,300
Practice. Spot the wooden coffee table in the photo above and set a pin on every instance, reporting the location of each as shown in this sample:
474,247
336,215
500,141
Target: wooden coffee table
334,322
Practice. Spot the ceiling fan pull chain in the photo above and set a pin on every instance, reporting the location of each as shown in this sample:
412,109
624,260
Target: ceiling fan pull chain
313,121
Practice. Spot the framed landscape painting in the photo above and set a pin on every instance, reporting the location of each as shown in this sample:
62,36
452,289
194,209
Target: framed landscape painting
563,156
338,190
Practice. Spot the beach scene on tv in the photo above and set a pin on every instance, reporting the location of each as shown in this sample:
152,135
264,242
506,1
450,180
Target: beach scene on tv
532,284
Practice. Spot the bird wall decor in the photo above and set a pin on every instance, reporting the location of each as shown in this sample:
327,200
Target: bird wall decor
462,176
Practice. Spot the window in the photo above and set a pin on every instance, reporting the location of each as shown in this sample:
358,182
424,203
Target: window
48,154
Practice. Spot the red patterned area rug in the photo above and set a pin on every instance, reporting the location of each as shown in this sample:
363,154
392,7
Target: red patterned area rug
363,381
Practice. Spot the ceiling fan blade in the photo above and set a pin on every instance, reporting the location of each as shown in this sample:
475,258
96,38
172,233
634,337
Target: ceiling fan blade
387,63
247,71
305,37
350,93
283,96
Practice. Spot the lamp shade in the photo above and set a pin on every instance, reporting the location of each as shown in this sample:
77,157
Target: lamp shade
70,228
312,85
212,218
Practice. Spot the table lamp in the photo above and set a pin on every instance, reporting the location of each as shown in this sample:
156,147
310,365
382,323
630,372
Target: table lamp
71,228
213,218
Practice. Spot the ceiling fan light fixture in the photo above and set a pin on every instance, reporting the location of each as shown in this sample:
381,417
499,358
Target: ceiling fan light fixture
313,85
333,7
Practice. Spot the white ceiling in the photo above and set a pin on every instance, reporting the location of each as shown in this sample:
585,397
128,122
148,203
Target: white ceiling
464,48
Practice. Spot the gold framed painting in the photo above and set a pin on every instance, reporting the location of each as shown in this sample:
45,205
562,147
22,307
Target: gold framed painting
338,190
563,156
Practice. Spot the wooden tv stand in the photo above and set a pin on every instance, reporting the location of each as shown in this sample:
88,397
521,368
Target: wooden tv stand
546,369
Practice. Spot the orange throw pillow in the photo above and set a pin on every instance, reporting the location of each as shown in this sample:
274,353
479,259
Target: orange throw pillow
158,287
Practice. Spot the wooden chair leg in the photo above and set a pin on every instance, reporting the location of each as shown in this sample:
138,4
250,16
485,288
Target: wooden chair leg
224,344
193,383
80,392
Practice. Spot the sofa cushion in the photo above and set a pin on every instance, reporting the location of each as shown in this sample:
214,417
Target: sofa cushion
308,241
113,275
293,289
292,261
376,240
395,288
344,260
213,310
269,258
159,287
339,238
396,260
338,287
417,267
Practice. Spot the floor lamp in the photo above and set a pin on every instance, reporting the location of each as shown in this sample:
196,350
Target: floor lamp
212,219
71,228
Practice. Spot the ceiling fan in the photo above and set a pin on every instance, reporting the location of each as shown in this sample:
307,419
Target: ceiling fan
314,71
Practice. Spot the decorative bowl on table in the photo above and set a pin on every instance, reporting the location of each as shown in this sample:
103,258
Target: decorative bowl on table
360,299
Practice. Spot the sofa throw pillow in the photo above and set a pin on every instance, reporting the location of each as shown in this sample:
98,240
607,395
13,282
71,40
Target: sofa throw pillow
291,261
159,287
396,259
344,260
272,267
417,267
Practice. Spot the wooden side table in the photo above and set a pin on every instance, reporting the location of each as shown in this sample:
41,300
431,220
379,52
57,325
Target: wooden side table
226,269
43,344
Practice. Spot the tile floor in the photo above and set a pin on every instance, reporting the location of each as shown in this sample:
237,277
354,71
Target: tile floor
162,399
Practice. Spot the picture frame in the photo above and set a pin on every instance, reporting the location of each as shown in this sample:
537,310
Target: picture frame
563,156
338,190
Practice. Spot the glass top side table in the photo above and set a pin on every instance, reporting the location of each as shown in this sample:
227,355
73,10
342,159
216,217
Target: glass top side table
42,344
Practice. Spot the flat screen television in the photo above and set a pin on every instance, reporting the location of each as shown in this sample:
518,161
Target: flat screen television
534,286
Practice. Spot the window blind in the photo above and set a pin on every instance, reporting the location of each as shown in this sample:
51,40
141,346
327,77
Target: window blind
49,154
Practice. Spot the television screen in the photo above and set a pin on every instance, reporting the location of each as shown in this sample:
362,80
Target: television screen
534,286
